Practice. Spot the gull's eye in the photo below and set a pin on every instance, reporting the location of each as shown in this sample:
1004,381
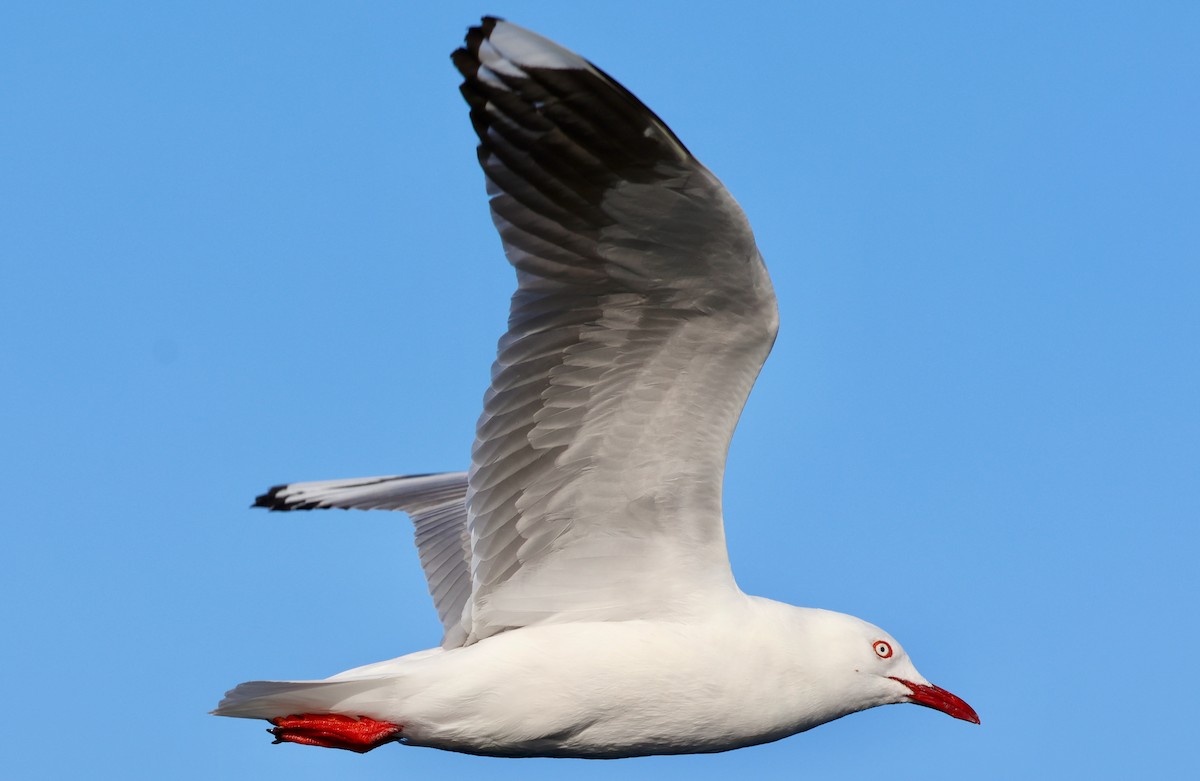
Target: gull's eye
883,649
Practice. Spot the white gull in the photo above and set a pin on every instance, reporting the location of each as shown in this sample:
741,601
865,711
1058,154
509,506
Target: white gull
579,568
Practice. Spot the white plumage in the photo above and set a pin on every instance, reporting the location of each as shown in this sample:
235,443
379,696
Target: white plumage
579,568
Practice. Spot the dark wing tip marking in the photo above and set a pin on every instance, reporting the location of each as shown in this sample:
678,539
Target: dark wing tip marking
589,108
273,500
278,498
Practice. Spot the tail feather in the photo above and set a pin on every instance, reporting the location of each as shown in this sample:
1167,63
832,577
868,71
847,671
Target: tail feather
272,699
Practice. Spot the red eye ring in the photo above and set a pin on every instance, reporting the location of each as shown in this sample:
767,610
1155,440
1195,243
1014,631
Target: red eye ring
883,649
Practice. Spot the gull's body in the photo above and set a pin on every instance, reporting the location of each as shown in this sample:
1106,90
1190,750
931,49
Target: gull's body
579,567
611,689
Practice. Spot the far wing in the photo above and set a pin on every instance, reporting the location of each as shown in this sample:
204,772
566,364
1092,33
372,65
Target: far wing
642,315
437,506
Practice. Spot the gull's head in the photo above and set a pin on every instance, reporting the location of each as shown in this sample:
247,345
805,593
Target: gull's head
871,668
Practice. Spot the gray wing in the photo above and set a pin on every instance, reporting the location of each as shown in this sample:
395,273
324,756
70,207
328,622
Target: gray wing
437,506
642,316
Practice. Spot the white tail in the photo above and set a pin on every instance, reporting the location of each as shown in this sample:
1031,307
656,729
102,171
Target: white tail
272,699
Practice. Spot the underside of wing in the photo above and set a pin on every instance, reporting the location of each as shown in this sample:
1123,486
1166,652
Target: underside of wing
642,315
437,506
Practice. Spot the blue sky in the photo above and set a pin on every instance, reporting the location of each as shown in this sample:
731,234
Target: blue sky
247,243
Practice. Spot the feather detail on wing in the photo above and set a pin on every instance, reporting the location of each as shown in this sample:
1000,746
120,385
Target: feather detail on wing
642,315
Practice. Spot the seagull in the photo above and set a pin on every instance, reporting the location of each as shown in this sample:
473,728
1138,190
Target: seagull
579,568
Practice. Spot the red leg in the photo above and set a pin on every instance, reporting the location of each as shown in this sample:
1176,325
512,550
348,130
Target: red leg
334,731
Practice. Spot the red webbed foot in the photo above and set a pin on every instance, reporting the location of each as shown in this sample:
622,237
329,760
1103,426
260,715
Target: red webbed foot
331,730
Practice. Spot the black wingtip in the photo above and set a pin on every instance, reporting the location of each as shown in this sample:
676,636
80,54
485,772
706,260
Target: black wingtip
562,118
476,35
273,501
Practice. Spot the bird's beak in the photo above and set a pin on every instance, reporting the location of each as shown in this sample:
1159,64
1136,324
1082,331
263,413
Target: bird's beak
939,699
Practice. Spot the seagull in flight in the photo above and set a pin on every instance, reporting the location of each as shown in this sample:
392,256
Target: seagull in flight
579,566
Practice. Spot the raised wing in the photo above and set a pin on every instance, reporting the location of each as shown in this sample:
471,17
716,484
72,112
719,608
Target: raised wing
437,506
642,315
